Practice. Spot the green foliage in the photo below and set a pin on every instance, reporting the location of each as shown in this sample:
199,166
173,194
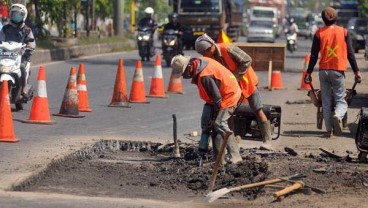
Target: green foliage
103,8
363,7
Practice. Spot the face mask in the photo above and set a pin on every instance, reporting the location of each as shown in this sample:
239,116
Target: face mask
17,17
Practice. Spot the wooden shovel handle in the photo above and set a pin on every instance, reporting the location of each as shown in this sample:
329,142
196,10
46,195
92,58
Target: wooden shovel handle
218,161
289,189
253,185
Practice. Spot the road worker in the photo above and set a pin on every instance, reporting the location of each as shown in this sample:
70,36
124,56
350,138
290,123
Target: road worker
217,87
334,45
239,63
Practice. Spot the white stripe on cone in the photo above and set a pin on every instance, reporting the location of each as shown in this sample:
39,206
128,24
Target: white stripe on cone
82,88
42,92
158,72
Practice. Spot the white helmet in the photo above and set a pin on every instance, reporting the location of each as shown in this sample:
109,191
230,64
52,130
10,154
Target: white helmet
149,10
18,13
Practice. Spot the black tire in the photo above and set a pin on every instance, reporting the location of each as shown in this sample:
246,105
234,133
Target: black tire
168,61
362,157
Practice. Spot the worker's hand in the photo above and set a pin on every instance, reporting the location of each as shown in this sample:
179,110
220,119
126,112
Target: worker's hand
358,77
307,78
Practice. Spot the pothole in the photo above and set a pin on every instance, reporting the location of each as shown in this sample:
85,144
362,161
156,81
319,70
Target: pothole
142,170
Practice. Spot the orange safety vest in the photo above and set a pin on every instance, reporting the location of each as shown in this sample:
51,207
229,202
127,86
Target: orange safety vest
333,48
248,81
229,89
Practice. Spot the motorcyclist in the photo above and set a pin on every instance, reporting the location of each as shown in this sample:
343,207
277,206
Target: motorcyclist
148,21
291,29
16,30
175,25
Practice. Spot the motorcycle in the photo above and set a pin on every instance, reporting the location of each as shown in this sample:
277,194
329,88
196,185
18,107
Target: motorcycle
291,41
10,60
145,42
361,137
170,45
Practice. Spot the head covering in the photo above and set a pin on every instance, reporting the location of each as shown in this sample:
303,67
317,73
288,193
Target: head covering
179,63
203,42
329,15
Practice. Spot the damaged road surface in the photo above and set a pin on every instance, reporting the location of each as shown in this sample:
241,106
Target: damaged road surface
124,169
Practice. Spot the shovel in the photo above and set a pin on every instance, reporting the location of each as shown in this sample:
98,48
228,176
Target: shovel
221,192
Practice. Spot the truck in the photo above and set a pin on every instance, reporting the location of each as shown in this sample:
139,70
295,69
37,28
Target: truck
208,16
263,8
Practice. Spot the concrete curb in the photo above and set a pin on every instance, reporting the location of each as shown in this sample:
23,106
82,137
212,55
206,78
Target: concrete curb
45,56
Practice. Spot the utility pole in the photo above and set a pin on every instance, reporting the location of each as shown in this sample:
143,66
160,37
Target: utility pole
118,17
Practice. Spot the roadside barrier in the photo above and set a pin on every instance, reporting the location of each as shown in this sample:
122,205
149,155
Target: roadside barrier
137,91
276,80
69,106
40,113
303,85
157,89
6,121
175,85
120,96
83,104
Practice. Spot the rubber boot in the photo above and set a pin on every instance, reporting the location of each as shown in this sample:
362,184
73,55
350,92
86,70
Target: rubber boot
233,148
203,144
217,142
265,128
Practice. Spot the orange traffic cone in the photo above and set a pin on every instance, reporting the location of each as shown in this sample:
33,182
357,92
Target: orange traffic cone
276,80
40,113
69,106
303,85
175,85
120,96
157,89
6,121
137,91
83,105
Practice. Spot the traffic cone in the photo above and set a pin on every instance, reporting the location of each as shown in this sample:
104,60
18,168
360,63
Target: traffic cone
175,85
120,96
83,105
6,120
157,89
137,91
223,38
40,113
69,106
303,85
276,80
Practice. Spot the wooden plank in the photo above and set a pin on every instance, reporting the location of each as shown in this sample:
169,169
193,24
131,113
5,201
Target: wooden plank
262,53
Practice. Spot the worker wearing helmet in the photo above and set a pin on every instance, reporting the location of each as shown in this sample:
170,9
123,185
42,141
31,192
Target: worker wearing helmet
239,63
217,87
17,31
333,43
175,25
148,21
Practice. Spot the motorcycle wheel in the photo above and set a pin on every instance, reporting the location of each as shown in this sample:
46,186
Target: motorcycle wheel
362,157
168,61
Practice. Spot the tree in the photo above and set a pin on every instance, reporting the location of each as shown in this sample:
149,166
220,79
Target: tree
363,7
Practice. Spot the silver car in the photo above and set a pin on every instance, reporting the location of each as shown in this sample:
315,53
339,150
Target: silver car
261,31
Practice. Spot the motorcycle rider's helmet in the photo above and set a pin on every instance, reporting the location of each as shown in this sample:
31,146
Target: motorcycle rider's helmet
149,12
291,20
18,13
173,17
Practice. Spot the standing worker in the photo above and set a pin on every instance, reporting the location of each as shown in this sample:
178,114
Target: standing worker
217,87
239,63
334,44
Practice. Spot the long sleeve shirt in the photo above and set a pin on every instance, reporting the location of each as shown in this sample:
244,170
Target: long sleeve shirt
315,51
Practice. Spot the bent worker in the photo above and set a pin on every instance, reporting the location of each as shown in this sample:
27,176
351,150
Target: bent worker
334,45
239,63
217,87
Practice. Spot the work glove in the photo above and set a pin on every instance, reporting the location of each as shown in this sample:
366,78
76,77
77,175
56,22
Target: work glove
307,78
358,77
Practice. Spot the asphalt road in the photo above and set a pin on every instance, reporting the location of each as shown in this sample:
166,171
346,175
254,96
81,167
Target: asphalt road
40,144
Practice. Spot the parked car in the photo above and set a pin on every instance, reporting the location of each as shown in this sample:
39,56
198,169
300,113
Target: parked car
358,27
261,31
304,30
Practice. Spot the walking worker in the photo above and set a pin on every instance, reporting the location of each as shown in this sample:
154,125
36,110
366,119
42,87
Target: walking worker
217,87
239,63
334,45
